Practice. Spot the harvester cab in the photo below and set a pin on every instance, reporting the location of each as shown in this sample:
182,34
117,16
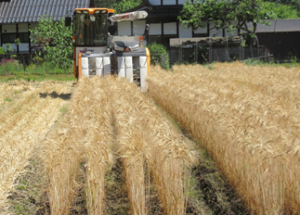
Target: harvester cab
97,52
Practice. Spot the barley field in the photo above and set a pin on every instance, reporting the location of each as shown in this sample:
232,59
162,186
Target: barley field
247,118
99,146
222,139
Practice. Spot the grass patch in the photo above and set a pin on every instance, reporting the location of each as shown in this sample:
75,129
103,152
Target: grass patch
19,209
12,70
34,78
63,110
7,99
22,185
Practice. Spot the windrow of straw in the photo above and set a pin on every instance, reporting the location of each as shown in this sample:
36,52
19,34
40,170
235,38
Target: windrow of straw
81,138
167,153
20,134
98,155
131,146
249,123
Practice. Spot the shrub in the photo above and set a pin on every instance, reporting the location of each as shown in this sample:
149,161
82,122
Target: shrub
56,40
9,67
2,50
159,55
9,49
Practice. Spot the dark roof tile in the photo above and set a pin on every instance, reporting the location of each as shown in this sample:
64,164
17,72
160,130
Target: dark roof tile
24,11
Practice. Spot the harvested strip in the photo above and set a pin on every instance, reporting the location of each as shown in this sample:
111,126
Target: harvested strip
17,145
79,139
11,118
131,148
168,154
97,153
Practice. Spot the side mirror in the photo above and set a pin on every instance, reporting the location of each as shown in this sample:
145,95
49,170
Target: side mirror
68,21
147,28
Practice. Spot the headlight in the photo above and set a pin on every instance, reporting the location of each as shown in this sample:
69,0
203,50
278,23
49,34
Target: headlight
118,48
134,48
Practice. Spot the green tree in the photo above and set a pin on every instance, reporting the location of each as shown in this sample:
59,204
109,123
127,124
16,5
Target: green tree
159,55
125,5
282,11
118,5
56,40
105,3
226,14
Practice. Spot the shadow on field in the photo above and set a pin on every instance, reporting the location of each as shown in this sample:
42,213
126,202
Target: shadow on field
54,95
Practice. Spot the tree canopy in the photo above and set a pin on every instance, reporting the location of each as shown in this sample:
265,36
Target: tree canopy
241,15
118,5
56,40
282,11
125,5
294,4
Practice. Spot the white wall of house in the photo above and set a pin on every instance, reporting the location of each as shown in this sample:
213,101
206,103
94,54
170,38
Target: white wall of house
9,29
12,45
154,2
169,2
170,28
124,28
214,32
201,31
139,27
185,32
182,1
33,25
23,28
234,33
155,29
24,47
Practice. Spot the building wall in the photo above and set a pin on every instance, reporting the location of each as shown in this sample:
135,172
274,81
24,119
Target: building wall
9,33
282,45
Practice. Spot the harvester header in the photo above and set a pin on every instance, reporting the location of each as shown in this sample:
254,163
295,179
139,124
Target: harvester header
97,51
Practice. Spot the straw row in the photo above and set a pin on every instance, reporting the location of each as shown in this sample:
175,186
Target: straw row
97,151
21,135
81,137
167,153
131,147
242,126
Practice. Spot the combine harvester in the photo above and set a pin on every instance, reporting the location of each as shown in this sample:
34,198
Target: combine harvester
97,52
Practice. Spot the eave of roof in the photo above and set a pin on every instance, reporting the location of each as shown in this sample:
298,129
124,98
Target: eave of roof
280,25
28,11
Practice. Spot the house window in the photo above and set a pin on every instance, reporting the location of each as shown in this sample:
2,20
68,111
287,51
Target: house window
139,27
169,2
124,28
9,29
155,29
170,28
185,32
154,39
11,37
155,2
24,37
182,1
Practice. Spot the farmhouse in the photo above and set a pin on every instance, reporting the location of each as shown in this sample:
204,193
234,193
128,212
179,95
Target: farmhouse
281,38
18,16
